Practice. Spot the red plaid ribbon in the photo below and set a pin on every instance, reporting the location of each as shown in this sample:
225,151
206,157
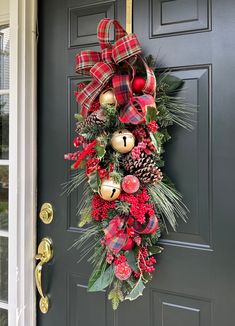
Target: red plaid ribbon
102,66
134,112
115,238
150,228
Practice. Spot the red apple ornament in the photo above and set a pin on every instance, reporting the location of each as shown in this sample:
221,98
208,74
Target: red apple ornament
130,184
128,245
138,84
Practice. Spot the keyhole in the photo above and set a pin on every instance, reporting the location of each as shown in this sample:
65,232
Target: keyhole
113,192
124,139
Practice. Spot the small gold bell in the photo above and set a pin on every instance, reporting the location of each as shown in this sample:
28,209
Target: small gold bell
108,97
109,190
123,141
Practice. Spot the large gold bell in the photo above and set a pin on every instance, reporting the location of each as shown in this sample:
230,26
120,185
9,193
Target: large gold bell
123,141
109,190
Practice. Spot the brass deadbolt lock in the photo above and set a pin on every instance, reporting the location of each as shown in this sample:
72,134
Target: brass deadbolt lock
46,213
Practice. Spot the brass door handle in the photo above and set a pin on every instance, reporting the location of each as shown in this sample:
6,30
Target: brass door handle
44,255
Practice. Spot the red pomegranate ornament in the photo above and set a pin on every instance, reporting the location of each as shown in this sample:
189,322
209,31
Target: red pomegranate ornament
130,184
138,84
122,271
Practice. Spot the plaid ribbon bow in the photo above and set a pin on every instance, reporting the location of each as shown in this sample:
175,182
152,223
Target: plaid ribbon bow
150,228
102,66
114,237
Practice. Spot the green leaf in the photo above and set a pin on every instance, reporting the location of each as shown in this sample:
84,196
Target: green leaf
155,250
136,291
94,276
151,114
174,83
100,150
155,142
94,181
79,117
86,216
103,281
130,256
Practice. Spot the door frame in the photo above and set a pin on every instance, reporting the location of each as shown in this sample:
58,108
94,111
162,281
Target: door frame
22,162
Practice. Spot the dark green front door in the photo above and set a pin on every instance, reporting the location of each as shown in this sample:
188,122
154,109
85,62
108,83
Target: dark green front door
194,282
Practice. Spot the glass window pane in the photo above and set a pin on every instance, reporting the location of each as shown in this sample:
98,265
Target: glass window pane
3,269
3,317
3,198
4,126
4,57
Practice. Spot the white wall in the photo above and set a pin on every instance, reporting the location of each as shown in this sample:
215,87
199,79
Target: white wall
4,11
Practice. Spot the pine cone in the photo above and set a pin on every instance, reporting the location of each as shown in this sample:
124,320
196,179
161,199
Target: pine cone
144,168
95,119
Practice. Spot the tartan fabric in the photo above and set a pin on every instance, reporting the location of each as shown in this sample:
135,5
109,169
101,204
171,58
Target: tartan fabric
134,112
150,228
150,85
101,73
102,67
115,239
126,47
103,32
86,60
122,88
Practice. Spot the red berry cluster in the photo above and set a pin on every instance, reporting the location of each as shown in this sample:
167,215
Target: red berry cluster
145,262
100,208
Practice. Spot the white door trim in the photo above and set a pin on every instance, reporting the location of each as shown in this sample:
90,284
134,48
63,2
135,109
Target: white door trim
22,160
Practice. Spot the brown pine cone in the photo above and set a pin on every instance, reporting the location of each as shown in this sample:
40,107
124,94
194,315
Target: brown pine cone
144,168
95,119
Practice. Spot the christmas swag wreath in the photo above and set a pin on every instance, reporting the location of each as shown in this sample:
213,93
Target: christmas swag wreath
122,126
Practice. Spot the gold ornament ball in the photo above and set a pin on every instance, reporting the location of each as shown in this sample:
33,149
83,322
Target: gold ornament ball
109,190
123,141
108,97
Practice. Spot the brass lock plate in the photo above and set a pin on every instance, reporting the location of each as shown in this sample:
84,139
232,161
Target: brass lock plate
46,213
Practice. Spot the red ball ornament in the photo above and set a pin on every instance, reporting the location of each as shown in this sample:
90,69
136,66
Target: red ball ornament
130,184
128,245
138,84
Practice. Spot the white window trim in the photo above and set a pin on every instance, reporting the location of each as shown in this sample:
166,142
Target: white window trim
22,162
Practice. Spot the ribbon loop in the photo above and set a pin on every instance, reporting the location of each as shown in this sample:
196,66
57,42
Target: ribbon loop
103,32
135,111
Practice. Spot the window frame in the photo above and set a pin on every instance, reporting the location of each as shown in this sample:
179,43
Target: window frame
22,163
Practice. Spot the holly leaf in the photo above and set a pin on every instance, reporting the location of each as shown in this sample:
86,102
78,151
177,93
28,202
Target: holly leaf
103,281
94,181
151,114
153,250
136,291
155,143
130,256
100,151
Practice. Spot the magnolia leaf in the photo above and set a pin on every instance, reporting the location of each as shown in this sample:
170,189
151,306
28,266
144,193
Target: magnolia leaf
100,150
130,256
94,276
94,181
155,250
103,281
151,114
136,291
174,83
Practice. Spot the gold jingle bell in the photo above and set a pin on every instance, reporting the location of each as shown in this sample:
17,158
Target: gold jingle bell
123,141
109,190
108,97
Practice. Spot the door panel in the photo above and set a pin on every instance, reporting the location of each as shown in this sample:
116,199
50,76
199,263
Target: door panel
193,284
